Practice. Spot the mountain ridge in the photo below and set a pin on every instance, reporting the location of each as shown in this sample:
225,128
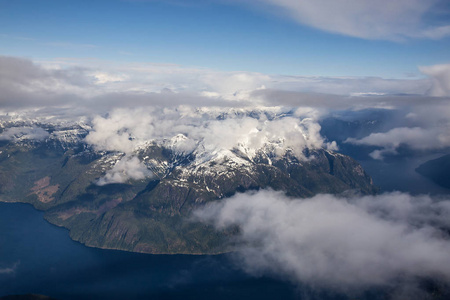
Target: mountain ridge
60,174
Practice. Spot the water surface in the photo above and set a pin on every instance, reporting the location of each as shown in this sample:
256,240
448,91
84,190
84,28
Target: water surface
37,257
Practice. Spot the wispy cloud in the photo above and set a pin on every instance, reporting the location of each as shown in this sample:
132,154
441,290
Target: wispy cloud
24,133
59,44
340,243
415,138
71,45
126,53
15,37
383,19
440,75
10,270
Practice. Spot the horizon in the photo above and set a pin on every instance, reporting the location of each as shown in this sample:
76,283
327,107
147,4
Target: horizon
269,37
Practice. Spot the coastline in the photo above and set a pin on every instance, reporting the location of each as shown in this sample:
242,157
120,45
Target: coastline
107,248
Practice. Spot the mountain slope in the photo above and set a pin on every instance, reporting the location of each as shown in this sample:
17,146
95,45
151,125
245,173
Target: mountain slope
61,175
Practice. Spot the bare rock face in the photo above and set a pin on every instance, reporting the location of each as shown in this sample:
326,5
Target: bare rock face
152,215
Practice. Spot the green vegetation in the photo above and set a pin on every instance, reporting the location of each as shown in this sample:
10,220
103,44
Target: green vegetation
153,215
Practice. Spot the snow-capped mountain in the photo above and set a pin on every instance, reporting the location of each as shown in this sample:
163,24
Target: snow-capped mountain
133,186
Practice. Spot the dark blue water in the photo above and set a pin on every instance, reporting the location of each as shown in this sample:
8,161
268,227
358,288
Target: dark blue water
40,258
399,175
37,257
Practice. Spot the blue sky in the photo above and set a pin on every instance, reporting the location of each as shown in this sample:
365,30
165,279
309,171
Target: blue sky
259,36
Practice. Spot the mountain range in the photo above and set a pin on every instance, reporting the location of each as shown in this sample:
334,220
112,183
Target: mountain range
55,170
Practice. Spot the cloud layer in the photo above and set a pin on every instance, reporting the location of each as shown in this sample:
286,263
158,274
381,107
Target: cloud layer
415,138
339,243
185,128
64,90
86,86
208,133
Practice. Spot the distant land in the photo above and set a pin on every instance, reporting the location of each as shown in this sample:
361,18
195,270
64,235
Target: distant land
438,170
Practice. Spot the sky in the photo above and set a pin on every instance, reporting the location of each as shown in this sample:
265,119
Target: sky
214,76
87,58
391,39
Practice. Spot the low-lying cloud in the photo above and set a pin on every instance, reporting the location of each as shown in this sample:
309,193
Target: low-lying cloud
415,138
125,169
342,243
24,133
207,132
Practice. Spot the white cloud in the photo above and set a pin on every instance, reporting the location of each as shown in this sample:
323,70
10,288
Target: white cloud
79,88
436,32
382,19
416,138
125,169
214,129
208,133
24,133
104,77
121,130
236,85
339,243
440,75
86,86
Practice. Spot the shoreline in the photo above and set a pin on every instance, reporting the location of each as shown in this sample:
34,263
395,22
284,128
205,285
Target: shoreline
106,248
